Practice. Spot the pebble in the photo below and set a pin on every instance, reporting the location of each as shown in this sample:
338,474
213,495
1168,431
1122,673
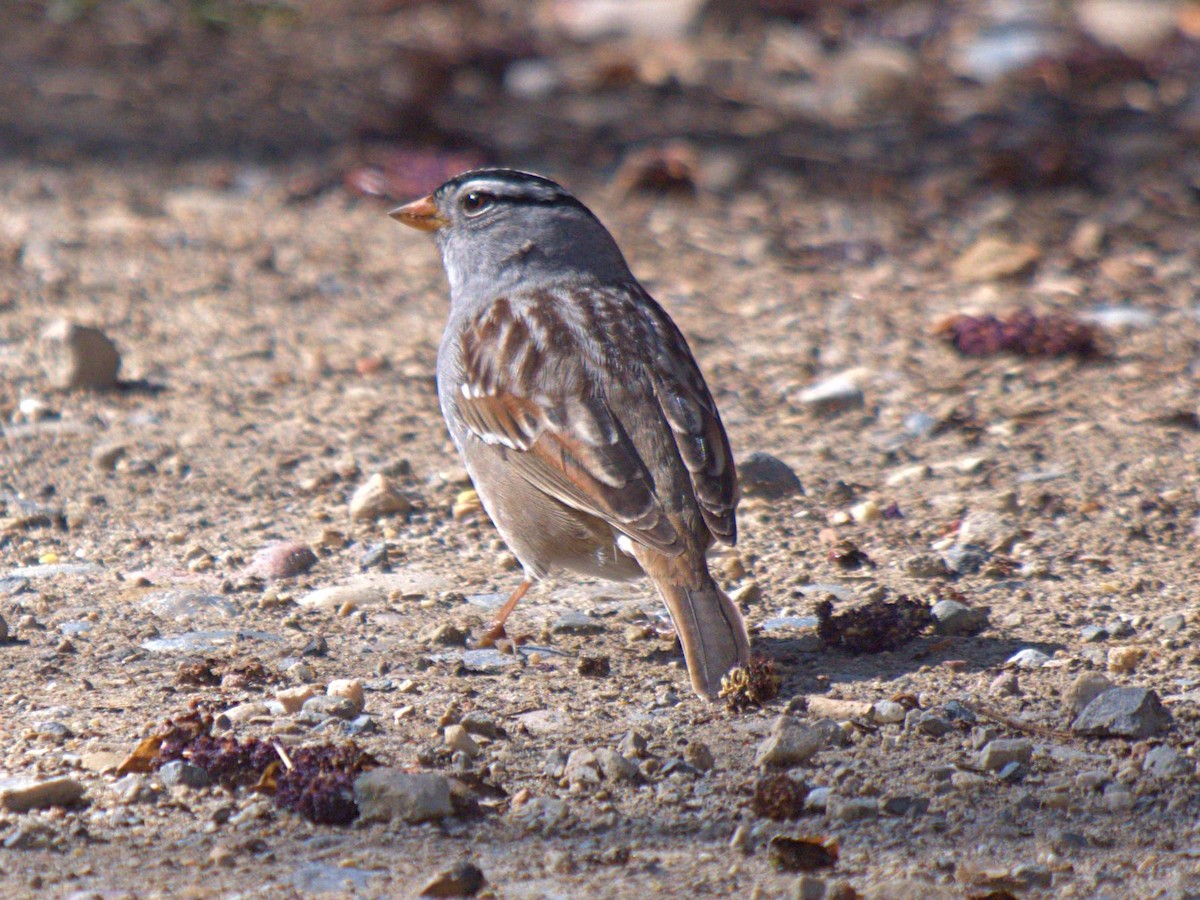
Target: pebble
79,356
541,814
991,258
334,598
180,773
378,497
349,688
285,559
925,565
954,618
1124,660
1167,762
1029,658
106,456
574,622
818,799
1117,798
1094,634
445,634
555,764
853,809
459,740
835,394
615,766
1136,27
480,724
789,743
462,880
237,715
324,707
1086,687
633,745
928,722
384,794
888,712
1172,622
133,789
1130,712
1006,684
809,887
293,699
698,755
867,511
582,768
767,476
999,753
21,794
966,559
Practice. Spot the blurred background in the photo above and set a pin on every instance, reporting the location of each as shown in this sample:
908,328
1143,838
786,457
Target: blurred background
385,97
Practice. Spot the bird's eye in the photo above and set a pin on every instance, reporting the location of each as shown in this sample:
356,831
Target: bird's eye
476,202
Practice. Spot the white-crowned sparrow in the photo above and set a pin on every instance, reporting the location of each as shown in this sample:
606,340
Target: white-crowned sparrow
581,416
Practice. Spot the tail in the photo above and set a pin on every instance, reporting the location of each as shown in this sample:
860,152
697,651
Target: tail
711,630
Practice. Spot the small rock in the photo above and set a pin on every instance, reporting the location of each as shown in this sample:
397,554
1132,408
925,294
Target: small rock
339,596
929,722
1136,27
1006,684
818,799
1172,622
285,559
766,476
323,706
952,617
1129,712
555,764
1123,660
574,622
594,666
103,761
999,753
384,794
1117,798
1166,762
789,743
966,559
178,772
867,511
106,456
480,724
21,794
582,768
888,712
464,880
836,394
809,887
489,661
293,699
633,745
243,712
991,258
852,809
698,756
1094,634
1086,687
377,497
925,565
903,806
1029,658
458,740
615,766
445,634
788,854
79,356
349,688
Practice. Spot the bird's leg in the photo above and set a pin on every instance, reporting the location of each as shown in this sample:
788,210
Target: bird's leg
497,630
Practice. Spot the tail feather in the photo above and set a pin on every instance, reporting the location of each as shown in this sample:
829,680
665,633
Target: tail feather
711,630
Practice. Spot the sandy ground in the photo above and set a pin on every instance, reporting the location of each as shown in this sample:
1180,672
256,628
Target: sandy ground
278,351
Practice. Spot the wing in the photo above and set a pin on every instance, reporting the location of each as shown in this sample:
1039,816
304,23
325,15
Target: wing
555,401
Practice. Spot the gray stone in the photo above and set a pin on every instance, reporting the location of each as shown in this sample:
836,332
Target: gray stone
763,475
615,766
177,772
928,722
789,743
1093,634
79,356
835,394
1172,622
326,706
818,799
575,622
1166,762
925,565
966,559
385,794
1130,712
809,887
952,617
21,794
489,661
1033,875
999,753
852,809
378,497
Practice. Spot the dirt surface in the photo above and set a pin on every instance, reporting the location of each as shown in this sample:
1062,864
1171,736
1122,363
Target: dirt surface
278,336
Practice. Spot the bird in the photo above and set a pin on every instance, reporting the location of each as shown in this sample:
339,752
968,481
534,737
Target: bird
579,411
